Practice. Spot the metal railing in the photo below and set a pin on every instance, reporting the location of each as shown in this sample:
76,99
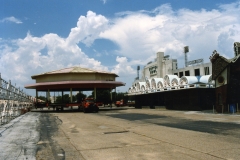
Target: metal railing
13,101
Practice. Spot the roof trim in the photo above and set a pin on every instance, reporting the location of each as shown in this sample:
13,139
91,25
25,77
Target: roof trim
79,83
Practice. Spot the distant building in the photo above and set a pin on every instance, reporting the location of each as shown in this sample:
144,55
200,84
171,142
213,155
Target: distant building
163,83
163,65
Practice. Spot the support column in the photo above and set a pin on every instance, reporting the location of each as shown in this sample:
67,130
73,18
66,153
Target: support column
115,94
95,93
46,95
36,95
111,97
71,95
62,97
48,98
62,102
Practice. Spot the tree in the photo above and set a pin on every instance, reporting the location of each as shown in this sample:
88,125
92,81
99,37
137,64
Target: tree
80,96
65,99
103,96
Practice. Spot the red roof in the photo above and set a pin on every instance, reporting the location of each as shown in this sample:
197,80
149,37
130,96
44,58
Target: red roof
75,85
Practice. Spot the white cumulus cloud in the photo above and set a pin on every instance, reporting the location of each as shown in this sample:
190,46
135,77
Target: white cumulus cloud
11,19
141,34
22,58
123,67
88,29
138,35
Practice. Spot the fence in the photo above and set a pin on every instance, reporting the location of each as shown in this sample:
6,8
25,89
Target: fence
13,101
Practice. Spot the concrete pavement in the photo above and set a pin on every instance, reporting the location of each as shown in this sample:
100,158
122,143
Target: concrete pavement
123,134
18,139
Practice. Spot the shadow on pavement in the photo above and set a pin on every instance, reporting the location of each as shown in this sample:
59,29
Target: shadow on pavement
223,128
67,110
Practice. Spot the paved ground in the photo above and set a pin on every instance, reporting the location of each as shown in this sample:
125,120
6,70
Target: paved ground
18,138
122,134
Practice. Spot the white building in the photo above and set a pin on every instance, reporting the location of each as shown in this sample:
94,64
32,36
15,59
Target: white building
163,65
163,72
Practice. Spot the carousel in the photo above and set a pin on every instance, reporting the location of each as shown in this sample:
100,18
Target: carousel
74,79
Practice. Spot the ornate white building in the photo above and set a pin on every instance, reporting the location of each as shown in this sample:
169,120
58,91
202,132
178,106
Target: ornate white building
163,74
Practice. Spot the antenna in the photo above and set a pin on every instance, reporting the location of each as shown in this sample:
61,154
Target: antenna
186,50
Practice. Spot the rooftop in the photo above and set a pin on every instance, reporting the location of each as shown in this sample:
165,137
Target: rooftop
74,69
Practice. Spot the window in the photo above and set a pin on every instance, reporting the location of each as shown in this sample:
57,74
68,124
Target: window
220,80
197,72
206,70
176,74
180,74
152,70
187,73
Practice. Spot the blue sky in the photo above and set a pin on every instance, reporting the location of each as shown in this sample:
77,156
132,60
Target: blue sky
37,36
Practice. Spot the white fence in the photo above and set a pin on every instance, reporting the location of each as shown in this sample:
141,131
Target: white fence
13,101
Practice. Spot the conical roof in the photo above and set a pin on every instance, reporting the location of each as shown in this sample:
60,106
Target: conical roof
74,69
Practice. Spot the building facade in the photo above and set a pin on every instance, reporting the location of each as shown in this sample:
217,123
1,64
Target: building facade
226,73
199,86
163,66
164,84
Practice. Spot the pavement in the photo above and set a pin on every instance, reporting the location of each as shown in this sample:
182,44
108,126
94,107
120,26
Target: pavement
121,133
18,138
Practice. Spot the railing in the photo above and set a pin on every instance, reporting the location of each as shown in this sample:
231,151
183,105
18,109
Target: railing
13,101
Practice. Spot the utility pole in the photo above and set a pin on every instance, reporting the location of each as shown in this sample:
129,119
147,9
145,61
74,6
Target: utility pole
186,50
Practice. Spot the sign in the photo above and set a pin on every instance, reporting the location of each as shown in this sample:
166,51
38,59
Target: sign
195,61
153,70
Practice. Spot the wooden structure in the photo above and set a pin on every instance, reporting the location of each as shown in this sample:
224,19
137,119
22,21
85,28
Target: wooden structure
226,73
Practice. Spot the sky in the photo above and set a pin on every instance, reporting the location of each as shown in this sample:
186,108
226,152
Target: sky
38,36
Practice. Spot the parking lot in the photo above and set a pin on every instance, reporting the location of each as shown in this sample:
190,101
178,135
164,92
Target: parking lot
125,133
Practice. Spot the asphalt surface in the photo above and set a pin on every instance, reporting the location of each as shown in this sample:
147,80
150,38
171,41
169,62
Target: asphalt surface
121,133
222,128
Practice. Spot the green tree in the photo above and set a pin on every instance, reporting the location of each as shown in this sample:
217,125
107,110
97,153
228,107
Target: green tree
65,99
59,99
80,96
102,96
